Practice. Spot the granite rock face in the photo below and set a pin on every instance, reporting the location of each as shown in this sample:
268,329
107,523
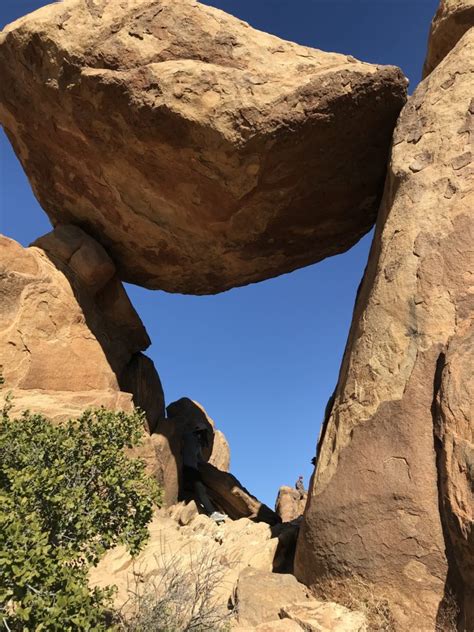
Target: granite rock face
453,18
68,331
391,500
201,153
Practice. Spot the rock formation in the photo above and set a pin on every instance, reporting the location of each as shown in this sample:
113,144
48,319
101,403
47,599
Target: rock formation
392,500
243,560
289,503
453,18
260,595
202,154
231,497
235,545
68,331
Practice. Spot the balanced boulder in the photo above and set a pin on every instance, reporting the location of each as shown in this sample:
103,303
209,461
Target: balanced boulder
202,154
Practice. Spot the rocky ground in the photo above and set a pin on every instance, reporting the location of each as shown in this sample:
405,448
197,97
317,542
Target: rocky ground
243,564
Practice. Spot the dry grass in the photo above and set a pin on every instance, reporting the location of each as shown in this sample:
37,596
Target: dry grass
448,615
178,598
356,594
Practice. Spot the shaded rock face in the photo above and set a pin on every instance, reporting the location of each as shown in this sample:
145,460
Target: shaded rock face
454,433
230,496
203,154
392,498
453,18
68,331
225,491
182,417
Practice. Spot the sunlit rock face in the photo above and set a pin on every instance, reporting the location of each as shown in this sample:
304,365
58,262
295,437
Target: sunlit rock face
392,500
68,332
202,154
453,18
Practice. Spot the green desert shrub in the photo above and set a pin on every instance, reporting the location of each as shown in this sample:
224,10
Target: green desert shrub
68,493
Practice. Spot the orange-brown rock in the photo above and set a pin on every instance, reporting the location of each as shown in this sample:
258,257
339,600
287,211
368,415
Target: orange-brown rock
452,19
68,332
392,499
202,154
260,595
166,442
226,492
290,503
230,496
454,431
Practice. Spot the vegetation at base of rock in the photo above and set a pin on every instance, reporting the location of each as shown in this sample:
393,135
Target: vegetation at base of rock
356,594
180,598
67,494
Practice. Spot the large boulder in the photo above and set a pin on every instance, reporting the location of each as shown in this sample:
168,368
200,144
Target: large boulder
166,444
68,332
391,503
230,496
202,154
261,594
290,503
452,19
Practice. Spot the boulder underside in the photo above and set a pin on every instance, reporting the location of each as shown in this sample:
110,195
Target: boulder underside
202,154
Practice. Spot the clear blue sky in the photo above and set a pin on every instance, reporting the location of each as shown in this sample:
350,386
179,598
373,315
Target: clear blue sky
262,359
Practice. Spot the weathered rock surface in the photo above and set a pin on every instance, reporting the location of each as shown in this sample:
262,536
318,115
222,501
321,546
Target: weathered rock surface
188,414
290,503
392,494
260,595
240,558
67,329
229,548
229,495
319,616
183,416
163,452
202,153
453,18
280,625
454,432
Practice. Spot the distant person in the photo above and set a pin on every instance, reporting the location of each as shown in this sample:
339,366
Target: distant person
192,444
299,485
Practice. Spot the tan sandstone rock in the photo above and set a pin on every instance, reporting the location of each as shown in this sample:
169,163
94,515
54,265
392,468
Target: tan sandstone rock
391,450
290,503
166,442
230,496
67,329
260,595
228,549
453,18
319,616
454,431
202,153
